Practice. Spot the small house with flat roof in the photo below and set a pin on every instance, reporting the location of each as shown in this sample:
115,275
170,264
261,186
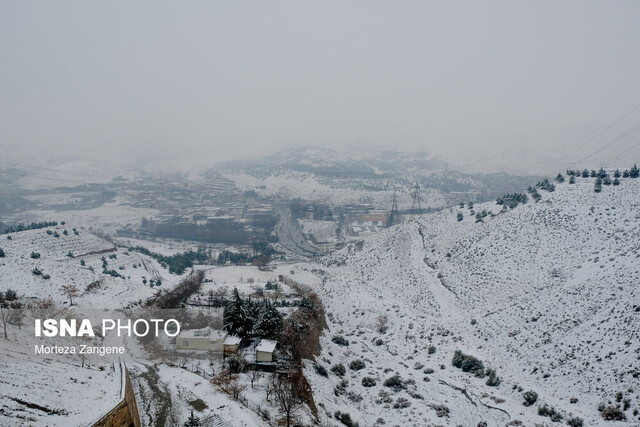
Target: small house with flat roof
205,339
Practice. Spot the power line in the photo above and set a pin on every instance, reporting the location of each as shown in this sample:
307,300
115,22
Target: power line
617,139
627,152
609,127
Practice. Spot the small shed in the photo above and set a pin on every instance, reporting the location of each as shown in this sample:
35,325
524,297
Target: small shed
205,339
264,350
231,344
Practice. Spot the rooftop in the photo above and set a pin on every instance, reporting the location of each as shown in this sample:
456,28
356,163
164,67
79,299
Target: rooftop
267,346
212,334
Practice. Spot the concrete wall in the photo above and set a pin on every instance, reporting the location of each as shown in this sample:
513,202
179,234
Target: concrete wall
263,356
125,413
200,343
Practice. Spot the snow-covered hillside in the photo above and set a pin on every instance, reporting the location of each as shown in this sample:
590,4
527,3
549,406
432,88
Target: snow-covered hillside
37,263
545,294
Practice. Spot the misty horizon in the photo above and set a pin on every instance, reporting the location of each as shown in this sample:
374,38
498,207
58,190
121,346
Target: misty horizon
488,87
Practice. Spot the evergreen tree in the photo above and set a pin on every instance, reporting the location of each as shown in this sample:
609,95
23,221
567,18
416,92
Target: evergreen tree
559,178
1,253
616,181
585,173
193,421
460,216
634,172
594,173
236,317
607,180
536,195
598,185
602,173
617,173
268,322
572,180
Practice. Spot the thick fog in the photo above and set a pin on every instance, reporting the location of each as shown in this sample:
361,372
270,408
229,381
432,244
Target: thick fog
496,85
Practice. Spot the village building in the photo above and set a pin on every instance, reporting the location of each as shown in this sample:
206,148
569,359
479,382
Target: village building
264,350
231,344
205,339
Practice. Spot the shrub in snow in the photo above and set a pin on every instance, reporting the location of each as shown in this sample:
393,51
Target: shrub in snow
468,363
441,410
395,383
575,422
611,413
368,382
431,349
549,411
494,379
530,397
236,364
356,365
401,403
341,388
35,255
321,370
338,369
340,340
345,419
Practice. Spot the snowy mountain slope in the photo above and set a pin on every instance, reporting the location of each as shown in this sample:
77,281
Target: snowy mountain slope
53,389
19,270
317,160
545,294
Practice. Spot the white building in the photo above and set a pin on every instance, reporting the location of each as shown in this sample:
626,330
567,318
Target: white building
205,339
264,350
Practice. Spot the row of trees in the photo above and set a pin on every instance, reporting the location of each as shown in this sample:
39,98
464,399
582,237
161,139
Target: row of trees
32,226
177,263
512,200
634,172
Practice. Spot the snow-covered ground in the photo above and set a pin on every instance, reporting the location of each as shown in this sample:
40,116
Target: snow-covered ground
17,268
545,294
53,389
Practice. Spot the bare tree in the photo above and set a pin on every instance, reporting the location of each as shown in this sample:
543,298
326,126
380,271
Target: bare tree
70,291
288,391
254,376
11,312
228,383
4,318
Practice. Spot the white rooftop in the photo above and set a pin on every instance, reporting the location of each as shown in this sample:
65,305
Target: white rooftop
267,346
232,340
204,333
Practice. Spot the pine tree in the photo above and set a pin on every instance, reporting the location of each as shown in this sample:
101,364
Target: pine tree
585,173
193,421
572,180
616,181
617,173
1,253
559,178
634,172
236,317
268,322
597,187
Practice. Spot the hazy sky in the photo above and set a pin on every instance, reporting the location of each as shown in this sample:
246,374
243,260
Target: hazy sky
225,79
